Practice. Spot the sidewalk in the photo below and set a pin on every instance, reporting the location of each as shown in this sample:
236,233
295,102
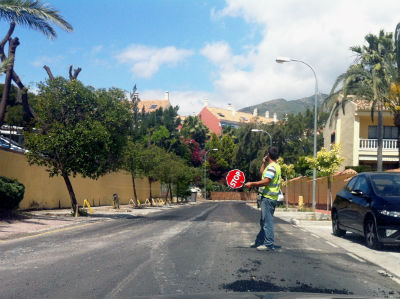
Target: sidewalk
42,221
319,225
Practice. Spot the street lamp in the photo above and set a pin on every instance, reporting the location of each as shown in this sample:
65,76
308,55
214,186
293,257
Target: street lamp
287,59
270,138
205,177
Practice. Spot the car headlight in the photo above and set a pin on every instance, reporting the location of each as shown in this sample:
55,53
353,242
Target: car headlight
390,213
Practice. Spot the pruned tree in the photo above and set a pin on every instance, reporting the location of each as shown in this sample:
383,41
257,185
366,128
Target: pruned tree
34,15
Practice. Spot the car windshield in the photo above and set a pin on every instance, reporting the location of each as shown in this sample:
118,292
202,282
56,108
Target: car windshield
386,184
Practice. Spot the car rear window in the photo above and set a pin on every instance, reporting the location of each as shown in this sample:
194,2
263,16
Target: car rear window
386,184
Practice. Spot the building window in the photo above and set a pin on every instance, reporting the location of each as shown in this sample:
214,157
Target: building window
389,132
333,137
220,114
372,132
153,106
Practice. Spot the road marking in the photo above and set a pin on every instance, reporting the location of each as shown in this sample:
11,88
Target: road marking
333,245
356,257
315,236
305,249
396,279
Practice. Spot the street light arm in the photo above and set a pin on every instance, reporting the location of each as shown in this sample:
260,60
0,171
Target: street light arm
315,75
269,135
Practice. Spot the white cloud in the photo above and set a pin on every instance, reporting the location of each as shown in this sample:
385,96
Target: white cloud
318,32
221,55
146,61
97,49
47,60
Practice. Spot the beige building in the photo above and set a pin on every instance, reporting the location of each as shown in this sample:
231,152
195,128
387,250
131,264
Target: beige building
153,105
357,134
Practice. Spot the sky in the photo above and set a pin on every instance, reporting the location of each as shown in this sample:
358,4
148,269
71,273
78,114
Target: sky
223,51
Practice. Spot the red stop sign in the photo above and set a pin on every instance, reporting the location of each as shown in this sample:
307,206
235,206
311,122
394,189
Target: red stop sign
235,178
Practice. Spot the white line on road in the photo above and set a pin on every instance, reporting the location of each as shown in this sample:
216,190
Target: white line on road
355,257
333,245
315,236
306,249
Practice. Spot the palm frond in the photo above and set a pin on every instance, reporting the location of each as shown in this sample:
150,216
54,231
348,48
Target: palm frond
5,64
33,14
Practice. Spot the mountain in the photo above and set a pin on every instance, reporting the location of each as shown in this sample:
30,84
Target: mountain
282,106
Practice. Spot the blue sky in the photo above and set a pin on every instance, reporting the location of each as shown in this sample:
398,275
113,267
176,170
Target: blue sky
221,50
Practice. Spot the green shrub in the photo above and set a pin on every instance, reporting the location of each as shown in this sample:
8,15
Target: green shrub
11,193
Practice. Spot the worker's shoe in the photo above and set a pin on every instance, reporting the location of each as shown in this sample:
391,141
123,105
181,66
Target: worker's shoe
253,245
266,248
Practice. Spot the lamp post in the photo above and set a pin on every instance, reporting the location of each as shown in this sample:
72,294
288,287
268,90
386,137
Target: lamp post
270,138
286,59
205,177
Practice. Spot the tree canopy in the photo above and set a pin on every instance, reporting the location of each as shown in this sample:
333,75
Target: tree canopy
78,130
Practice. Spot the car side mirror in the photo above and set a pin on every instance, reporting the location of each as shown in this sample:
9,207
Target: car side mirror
357,192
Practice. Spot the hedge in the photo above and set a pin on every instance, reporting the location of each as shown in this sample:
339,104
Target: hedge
11,193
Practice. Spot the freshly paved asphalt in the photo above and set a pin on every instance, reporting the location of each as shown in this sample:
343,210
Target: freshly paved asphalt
194,249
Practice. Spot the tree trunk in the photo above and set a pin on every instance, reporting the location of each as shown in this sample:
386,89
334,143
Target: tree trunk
166,194
13,44
397,124
177,192
71,194
151,195
287,194
380,136
134,188
170,193
329,201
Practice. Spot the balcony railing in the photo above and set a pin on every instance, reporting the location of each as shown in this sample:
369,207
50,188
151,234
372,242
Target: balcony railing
372,144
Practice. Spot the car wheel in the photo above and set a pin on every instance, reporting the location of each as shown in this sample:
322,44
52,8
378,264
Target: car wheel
371,236
335,226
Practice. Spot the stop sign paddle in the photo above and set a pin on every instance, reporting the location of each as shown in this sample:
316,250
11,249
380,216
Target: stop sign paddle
235,179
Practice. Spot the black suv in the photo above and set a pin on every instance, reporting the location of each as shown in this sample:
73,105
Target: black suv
369,205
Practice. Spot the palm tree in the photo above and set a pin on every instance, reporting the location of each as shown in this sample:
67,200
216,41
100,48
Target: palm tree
34,15
393,104
194,128
369,78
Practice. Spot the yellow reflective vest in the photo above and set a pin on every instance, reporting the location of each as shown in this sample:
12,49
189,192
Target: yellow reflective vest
272,190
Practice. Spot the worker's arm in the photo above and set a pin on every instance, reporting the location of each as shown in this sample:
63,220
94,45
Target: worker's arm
261,183
263,165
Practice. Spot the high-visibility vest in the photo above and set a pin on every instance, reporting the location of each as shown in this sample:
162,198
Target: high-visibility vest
272,190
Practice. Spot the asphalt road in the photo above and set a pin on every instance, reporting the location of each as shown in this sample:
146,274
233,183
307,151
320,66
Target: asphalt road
194,249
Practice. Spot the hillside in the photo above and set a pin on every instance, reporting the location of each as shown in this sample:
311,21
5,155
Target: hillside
282,106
